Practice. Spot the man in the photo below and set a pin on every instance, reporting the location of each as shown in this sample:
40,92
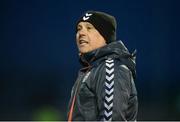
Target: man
104,89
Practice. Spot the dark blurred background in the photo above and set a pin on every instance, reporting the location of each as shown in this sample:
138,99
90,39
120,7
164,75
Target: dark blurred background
39,58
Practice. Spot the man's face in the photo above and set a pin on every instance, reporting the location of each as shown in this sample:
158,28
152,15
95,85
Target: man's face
88,38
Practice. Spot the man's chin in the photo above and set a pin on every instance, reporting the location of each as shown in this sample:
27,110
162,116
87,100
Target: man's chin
84,51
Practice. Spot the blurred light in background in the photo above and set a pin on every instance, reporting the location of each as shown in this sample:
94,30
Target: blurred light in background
46,113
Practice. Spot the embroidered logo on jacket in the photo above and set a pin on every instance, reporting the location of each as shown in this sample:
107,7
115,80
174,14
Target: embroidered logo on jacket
109,89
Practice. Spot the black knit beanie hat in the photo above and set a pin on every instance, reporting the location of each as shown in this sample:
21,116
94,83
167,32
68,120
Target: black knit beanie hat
103,22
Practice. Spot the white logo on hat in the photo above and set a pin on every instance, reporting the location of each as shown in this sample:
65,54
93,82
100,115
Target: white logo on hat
86,17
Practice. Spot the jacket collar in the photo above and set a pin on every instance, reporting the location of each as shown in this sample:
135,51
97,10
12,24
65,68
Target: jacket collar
116,50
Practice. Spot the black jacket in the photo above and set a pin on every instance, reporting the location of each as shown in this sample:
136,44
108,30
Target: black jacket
105,89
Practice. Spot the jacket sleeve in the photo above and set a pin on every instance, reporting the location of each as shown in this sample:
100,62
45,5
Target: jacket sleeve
116,93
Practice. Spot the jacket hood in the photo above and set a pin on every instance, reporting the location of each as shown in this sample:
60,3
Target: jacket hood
116,50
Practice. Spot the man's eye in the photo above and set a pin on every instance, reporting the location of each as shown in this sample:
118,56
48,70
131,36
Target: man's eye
89,28
78,29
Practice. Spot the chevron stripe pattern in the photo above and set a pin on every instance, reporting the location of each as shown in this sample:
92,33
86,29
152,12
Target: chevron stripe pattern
109,89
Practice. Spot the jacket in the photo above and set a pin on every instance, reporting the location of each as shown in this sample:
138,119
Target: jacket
105,88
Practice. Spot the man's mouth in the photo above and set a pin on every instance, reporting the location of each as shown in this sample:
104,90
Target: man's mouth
82,42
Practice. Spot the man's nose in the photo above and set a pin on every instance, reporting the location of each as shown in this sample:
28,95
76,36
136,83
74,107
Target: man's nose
82,32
